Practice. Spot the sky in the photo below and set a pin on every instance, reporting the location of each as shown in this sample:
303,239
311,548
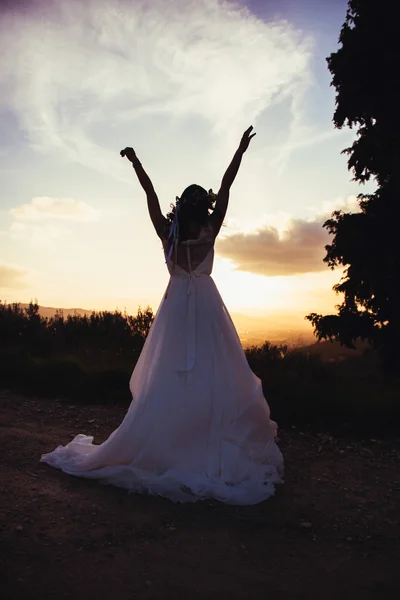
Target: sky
179,82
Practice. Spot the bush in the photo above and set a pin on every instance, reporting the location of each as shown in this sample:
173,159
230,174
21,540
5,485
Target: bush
91,360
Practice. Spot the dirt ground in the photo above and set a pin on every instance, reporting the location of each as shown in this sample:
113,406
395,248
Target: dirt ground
331,532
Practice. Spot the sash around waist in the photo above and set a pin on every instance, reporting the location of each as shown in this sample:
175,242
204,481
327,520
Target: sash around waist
189,275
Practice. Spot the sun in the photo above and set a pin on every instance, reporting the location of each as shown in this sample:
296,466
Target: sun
259,294
246,291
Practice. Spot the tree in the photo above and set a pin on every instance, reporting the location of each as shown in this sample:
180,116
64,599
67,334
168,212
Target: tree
366,75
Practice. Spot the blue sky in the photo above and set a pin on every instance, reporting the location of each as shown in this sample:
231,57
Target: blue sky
81,80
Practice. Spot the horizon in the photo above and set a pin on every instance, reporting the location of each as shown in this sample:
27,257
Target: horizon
74,227
251,329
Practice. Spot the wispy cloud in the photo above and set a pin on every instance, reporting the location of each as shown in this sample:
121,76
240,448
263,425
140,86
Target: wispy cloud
300,136
36,234
69,69
346,204
303,131
12,277
43,207
42,221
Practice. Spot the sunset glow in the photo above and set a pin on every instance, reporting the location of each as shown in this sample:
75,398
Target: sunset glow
179,85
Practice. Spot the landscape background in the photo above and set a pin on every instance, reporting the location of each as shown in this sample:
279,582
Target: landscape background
180,86
90,358
252,329
180,81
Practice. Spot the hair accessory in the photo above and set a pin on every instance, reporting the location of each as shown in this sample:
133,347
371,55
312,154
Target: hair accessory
212,197
174,229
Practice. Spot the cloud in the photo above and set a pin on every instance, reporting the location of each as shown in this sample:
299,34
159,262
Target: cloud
41,221
299,137
41,235
43,207
284,246
11,277
347,204
299,249
70,69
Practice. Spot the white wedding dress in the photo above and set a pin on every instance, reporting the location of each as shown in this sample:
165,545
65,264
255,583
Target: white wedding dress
198,426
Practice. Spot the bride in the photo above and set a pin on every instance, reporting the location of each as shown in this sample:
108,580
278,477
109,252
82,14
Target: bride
198,426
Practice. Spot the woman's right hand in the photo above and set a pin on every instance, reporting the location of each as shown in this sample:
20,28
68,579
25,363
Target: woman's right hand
129,153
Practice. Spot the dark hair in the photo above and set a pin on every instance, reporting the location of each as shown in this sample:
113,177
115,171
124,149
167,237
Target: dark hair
195,205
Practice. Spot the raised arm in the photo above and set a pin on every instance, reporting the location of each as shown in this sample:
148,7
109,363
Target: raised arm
156,216
221,204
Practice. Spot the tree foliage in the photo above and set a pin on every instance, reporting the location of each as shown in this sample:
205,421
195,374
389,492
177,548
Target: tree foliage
366,74
108,333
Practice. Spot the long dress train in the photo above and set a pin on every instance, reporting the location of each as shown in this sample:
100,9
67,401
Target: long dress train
198,426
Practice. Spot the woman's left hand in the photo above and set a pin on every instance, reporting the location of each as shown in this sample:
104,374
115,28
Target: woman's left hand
246,137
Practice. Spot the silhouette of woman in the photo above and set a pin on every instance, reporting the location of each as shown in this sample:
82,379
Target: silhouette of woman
198,425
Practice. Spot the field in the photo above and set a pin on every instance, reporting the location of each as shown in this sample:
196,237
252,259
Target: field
331,531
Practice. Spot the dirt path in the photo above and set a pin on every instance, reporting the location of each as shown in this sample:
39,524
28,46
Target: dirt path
331,532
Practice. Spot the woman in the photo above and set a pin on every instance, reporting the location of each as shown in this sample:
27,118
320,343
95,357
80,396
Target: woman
198,426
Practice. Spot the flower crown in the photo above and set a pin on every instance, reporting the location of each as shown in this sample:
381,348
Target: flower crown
196,197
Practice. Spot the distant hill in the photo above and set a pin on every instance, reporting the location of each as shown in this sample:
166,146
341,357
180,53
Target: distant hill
255,330
49,311
252,329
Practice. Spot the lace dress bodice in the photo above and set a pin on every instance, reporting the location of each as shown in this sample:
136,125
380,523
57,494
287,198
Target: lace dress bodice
192,256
